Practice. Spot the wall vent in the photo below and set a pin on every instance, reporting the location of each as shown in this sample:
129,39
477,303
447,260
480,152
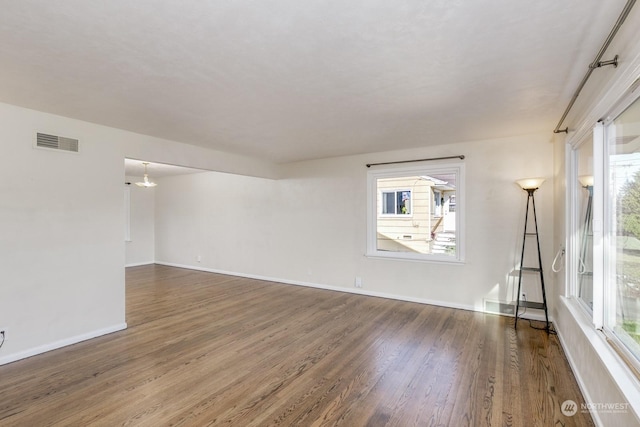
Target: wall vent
54,142
499,307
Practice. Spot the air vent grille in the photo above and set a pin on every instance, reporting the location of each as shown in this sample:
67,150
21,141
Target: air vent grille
54,142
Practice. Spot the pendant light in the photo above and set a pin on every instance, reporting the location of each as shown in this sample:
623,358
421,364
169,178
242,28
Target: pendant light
146,182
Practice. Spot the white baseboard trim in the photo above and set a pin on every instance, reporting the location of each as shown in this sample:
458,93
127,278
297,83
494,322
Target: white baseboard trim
137,264
326,287
61,343
532,315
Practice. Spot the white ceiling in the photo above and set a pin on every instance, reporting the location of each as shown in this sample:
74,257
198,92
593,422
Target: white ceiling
287,80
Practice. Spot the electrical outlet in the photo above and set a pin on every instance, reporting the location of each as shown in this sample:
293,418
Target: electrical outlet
524,296
358,282
199,258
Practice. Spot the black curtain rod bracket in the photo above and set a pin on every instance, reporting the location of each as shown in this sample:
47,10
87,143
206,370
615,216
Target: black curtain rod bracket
461,157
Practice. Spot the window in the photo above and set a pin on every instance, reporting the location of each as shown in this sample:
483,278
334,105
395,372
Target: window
416,213
397,202
622,229
584,221
605,230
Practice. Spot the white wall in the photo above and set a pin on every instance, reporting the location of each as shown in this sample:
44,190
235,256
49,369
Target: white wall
62,251
140,249
310,226
61,231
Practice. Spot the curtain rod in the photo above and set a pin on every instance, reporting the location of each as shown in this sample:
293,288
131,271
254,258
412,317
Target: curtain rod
461,157
596,64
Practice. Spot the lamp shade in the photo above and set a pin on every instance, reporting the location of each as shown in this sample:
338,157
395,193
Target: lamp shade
530,183
586,180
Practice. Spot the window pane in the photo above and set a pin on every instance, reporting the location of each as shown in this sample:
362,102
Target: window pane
420,225
404,202
584,203
624,225
388,203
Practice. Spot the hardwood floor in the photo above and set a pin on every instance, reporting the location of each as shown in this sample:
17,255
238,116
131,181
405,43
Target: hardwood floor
207,349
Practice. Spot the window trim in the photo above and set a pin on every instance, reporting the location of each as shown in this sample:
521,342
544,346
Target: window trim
599,215
400,171
614,97
606,317
604,267
574,221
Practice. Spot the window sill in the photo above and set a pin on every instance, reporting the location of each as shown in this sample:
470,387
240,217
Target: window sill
430,259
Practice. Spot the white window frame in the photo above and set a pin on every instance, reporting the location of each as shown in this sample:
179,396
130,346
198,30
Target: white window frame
599,270
415,170
604,259
574,221
606,315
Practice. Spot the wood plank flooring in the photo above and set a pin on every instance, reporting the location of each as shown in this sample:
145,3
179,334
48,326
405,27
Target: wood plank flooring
206,349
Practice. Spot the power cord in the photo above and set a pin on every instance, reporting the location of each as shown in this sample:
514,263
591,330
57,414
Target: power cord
559,257
3,338
548,329
524,298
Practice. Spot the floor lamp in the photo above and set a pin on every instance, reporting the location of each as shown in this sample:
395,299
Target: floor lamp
530,185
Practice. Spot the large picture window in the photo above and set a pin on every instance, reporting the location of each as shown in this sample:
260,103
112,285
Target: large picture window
416,213
605,204
622,229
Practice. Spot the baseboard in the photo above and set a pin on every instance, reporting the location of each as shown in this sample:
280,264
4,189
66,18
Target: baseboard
326,287
137,264
528,315
61,343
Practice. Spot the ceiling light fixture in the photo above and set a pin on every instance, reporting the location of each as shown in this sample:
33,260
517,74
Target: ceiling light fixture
146,182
